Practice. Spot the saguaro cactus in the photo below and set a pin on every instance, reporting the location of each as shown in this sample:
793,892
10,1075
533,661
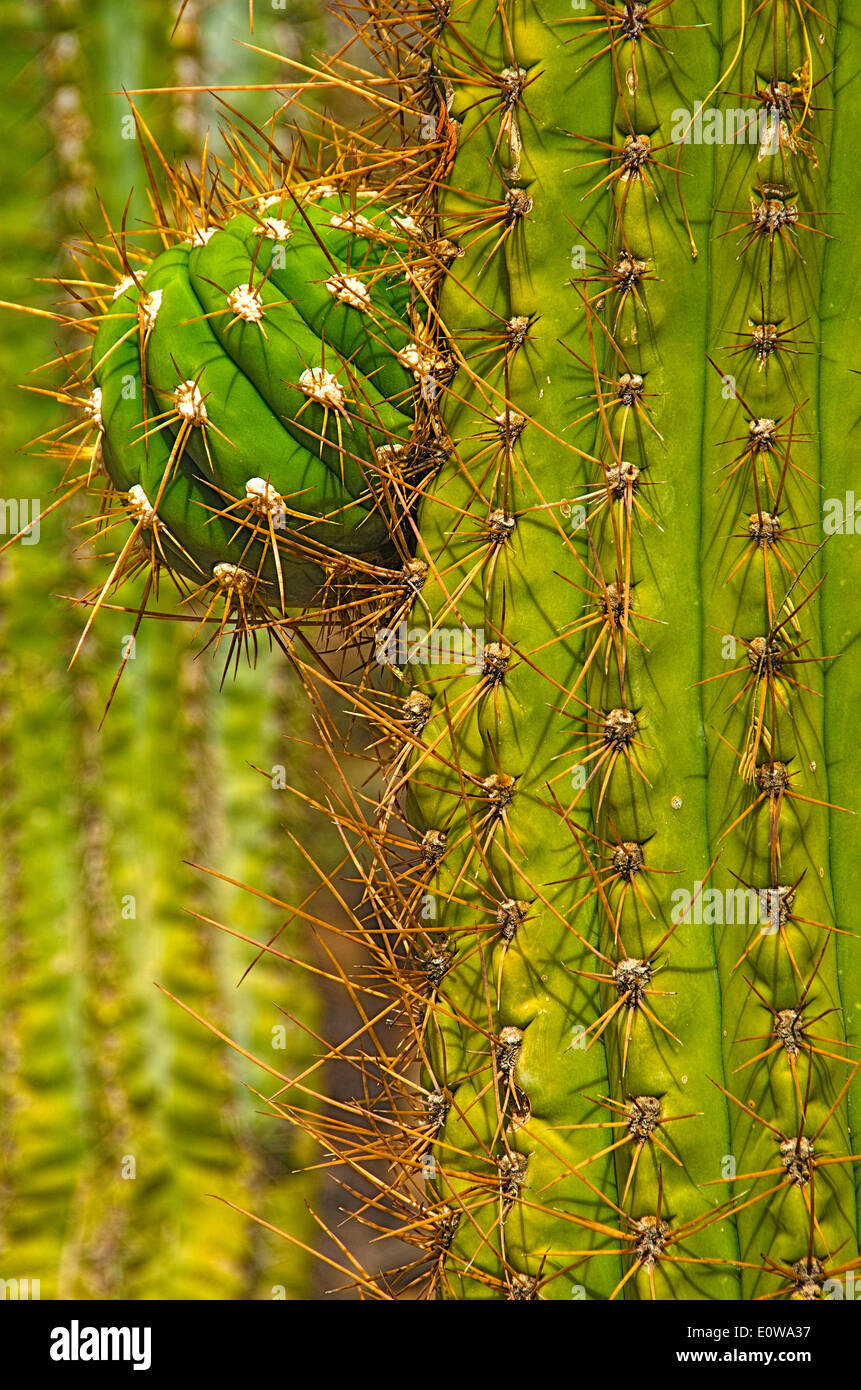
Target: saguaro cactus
605,875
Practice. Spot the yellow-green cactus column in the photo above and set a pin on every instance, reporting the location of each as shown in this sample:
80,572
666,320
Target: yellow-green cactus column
563,1032
786,977
840,413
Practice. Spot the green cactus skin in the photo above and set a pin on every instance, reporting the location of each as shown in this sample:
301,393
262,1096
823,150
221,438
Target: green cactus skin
285,322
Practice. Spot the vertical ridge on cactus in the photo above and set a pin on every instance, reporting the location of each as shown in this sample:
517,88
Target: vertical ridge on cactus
840,411
764,567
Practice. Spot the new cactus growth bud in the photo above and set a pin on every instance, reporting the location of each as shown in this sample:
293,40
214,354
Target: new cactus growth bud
247,382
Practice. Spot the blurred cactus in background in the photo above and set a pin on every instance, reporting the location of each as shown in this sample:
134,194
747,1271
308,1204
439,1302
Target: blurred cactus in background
119,1113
